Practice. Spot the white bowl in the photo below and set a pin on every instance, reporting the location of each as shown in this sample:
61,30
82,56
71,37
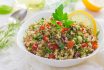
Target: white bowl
52,62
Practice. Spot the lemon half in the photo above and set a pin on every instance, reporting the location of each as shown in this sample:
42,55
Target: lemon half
85,18
89,5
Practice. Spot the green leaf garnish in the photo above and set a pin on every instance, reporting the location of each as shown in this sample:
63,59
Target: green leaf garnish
59,15
67,23
53,21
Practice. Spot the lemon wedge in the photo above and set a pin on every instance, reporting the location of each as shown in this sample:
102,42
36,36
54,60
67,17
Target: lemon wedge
81,16
89,4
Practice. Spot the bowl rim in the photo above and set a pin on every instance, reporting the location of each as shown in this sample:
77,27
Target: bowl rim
18,43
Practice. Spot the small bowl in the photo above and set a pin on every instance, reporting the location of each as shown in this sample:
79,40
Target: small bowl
53,62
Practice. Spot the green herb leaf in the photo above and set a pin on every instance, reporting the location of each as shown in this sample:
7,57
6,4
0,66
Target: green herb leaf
67,23
59,14
47,50
53,21
38,37
61,46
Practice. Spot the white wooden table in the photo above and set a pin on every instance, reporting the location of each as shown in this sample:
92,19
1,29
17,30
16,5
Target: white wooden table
14,58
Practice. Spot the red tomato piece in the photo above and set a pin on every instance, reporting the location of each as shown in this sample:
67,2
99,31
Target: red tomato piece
64,29
94,45
34,47
45,38
59,23
70,44
84,45
42,27
53,46
51,56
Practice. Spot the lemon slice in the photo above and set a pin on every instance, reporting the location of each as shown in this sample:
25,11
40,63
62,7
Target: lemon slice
91,6
81,16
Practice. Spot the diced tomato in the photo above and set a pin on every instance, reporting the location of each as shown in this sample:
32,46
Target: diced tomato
47,25
64,29
84,45
51,56
42,27
70,44
59,23
94,45
53,46
34,47
45,38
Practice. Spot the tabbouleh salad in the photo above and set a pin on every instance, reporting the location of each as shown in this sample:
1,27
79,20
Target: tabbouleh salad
60,38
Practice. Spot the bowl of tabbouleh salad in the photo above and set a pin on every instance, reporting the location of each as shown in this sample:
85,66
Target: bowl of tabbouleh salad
56,40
